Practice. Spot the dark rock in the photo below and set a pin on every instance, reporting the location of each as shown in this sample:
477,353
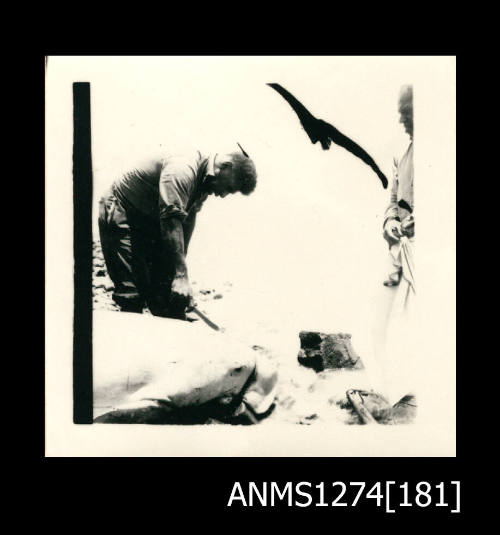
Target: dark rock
321,351
218,296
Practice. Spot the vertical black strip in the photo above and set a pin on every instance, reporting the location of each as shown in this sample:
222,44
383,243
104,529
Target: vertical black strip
82,233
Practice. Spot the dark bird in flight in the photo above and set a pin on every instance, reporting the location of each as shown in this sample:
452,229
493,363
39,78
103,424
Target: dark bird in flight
325,133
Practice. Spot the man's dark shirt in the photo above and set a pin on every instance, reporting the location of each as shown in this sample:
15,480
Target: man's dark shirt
165,186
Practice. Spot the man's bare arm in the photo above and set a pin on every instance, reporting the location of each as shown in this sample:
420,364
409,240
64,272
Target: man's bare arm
172,234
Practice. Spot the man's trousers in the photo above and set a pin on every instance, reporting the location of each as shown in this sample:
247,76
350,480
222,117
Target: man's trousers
135,259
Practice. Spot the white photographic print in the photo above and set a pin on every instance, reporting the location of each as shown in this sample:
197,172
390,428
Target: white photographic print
267,277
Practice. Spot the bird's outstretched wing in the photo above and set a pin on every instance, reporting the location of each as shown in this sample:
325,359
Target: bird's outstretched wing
325,133
307,119
343,141
303,113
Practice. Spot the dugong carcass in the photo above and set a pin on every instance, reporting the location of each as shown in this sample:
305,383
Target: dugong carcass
157,370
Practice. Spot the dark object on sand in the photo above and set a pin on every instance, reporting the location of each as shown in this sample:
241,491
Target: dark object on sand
374,408
405,410
357,401
320,351
325,133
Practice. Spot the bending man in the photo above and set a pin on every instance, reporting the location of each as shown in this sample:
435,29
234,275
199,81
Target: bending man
147,218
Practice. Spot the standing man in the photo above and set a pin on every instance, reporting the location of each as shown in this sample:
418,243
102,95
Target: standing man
398,220
147,218
395,346
399,355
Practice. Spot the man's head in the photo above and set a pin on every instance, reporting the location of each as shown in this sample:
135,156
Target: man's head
405,109
233,172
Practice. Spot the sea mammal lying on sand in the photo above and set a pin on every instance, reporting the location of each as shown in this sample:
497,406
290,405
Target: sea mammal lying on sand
158,370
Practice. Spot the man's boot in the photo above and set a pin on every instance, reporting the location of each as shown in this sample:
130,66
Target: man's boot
131,308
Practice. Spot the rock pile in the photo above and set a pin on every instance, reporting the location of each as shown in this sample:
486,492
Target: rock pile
321,351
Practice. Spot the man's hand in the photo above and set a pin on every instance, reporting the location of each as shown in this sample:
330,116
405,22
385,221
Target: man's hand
181,293
392,228
408,226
